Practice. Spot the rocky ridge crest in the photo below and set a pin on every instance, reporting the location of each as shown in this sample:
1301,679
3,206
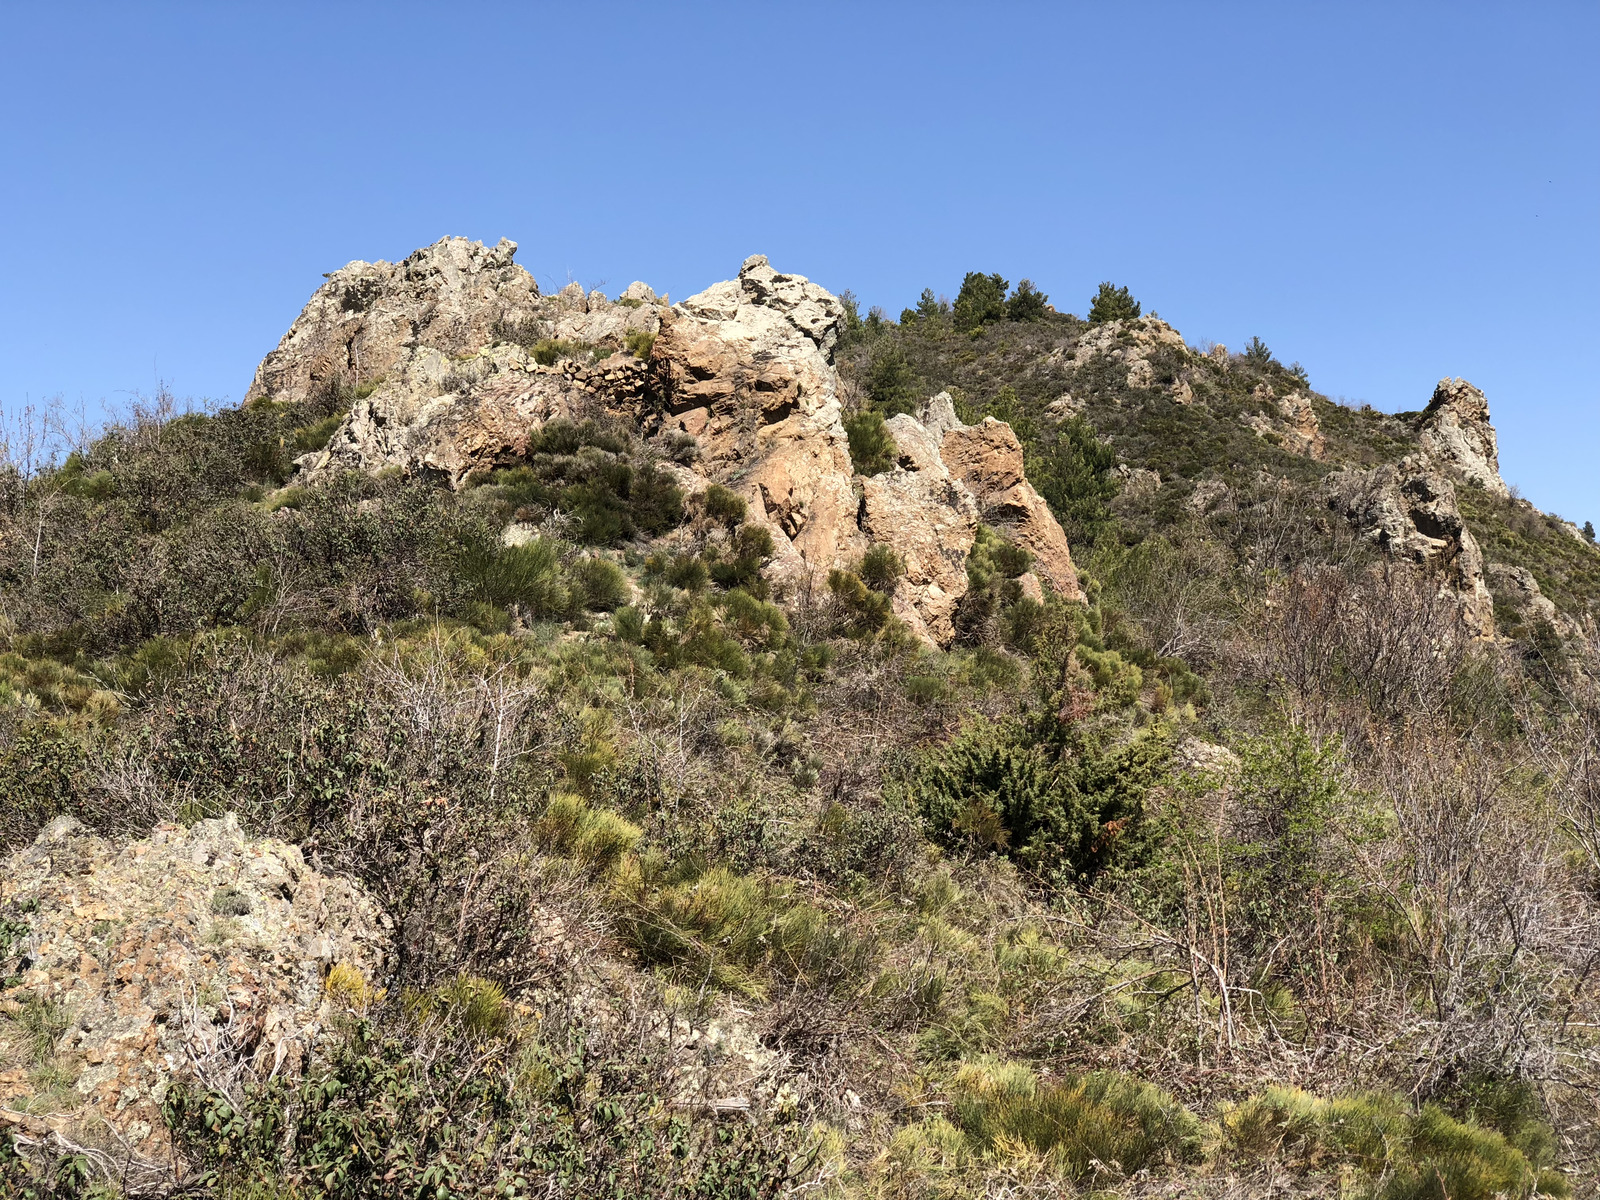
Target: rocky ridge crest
435,352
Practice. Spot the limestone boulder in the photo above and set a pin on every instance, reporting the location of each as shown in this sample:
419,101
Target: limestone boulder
159,953
1456,435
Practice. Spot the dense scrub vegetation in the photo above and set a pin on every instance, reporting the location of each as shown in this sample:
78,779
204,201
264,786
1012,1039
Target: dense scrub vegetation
1249,872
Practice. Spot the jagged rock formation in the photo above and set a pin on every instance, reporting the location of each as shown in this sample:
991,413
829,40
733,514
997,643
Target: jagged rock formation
154,952
1291,420
1411,513
746,368
436,351
1456,435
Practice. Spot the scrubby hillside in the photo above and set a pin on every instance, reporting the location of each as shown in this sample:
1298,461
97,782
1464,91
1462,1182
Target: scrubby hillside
775,751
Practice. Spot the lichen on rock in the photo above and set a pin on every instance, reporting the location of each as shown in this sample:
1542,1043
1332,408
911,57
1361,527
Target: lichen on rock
151,955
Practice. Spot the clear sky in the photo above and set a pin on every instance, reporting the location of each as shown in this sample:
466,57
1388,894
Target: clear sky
1387,193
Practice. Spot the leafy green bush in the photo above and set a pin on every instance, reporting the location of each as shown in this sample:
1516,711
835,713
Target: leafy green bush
872,450
523,1118
1112,304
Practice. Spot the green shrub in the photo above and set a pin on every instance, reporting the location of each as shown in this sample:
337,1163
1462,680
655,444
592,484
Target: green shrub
1112,304
315,436
893,385
881,568
639,343
872,450
724,506
528,575
601,582
596,838
1103,1125
229,901
463,1102
737,930
1067,817
866,611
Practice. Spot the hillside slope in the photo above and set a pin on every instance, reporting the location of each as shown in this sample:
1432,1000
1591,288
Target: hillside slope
772,750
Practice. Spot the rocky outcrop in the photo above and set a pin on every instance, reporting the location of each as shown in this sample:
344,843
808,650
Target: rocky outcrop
987,459
1131,343
154,954
437,354
1290,421
746,368
1456,435
1410,512
1516,589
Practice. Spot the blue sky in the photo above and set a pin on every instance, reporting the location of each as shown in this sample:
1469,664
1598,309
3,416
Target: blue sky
1387,193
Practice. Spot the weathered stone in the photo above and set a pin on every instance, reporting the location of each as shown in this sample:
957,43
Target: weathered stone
435,351
1411,513
162,950
1456,434
1290,421
745,368
987,458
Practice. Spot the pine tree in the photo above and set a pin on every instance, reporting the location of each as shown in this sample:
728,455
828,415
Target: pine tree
1027,303
1112,304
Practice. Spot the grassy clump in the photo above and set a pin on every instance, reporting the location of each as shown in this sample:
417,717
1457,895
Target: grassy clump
1103,1125
1414,1154
741,931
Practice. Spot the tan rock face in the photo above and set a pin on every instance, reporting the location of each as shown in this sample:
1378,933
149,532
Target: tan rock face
154,952
746,368
987,459
1456,434
1411,513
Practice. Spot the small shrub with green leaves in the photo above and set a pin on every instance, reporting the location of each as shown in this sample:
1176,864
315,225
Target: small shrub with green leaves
872,449
1068,816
